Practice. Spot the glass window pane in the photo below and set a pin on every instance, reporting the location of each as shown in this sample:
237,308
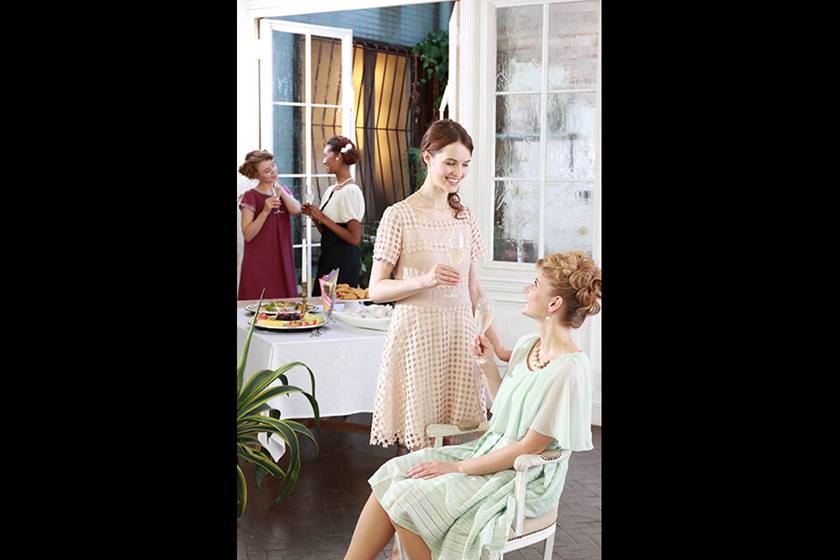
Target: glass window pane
571,206
515,229
326,70
519,48
517,136
571,135
288,52
573,45
289,137
326,123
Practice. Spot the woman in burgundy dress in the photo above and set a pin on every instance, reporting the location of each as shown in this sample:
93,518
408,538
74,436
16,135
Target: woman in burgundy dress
268,261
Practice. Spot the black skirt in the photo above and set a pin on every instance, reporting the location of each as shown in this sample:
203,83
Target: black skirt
337,253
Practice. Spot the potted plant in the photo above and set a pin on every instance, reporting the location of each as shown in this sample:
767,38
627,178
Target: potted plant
434,58
278,436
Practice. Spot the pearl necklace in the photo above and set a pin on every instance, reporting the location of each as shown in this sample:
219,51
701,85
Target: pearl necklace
423,200
341,184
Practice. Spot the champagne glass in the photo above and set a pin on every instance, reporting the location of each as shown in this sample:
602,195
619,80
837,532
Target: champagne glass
455,253
276,189
455,249
483,318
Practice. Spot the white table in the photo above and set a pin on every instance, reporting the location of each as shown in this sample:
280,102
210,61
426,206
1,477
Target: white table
344,359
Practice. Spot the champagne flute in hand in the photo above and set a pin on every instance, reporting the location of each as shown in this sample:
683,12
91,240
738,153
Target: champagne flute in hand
455,252
455,249
483,318
277,209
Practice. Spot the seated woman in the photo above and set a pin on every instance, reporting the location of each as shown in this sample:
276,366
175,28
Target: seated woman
456,501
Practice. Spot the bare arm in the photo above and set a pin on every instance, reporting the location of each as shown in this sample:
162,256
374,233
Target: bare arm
251,225
482,347
292,205
502,352
499,460
384,288
476,293
352,234
502,459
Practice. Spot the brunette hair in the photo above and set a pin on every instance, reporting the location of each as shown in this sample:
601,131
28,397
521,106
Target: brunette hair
440,134
252,159
576,278
350,155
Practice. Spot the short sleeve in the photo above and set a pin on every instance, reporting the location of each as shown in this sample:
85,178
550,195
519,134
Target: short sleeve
477,245
351,204
247,201
565,413
388,244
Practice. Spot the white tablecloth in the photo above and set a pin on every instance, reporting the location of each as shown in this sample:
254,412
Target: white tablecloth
344,359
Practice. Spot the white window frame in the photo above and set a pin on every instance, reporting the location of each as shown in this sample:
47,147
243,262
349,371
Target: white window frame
266,118
506,276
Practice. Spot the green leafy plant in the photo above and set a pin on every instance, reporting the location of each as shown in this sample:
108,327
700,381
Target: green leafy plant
434,57
366,252
251,406
417,167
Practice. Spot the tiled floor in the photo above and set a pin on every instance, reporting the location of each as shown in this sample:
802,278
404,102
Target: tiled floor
317,520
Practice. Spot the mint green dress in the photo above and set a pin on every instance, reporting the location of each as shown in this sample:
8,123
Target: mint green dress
464,517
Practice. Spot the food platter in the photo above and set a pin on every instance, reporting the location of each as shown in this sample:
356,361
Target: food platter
309,321
272,306
376,317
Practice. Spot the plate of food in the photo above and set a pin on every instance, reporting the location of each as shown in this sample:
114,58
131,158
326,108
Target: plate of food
346,292
289,321
275,306
374,316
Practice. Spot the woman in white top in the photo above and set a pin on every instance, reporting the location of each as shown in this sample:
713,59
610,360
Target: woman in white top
339,219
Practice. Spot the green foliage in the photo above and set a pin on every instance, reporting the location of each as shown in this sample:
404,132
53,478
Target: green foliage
418,166
434,58
251,406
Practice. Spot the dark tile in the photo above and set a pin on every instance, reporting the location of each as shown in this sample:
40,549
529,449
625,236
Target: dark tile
317,519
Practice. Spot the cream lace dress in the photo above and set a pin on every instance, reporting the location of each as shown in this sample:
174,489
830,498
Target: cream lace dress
427,374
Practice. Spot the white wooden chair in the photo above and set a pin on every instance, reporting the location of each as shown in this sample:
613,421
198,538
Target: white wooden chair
524,531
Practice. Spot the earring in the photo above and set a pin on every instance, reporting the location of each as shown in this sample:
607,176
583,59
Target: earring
547,317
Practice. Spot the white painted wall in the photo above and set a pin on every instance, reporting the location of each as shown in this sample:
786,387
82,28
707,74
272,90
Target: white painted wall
503,282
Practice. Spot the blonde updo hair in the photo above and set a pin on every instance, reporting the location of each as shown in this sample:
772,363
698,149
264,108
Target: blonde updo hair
576,278
252,159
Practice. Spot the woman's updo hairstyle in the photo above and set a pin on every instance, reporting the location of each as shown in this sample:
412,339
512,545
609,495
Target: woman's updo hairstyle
343,146
576,278
252,160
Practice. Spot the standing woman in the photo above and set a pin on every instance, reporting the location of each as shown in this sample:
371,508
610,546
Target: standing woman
266,226
339,219
427,374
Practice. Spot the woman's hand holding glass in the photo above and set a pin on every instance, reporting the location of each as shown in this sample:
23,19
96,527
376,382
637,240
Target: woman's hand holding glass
441,275
482,349
312,211
455,253
272,205
275,201
483,318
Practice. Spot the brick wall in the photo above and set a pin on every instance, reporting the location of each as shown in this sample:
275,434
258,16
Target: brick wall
400,25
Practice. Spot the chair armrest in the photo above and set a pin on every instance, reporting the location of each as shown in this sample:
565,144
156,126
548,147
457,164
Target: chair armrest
521,466
525,462
440,431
